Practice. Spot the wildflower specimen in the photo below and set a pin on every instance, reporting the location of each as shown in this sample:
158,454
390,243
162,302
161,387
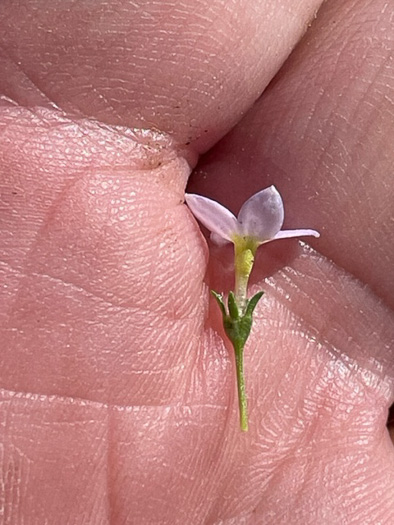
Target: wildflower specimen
259,221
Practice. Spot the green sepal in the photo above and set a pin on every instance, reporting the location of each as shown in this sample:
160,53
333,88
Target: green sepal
237,327
219,299
232,306
252,303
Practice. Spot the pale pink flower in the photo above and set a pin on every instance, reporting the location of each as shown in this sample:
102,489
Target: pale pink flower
260,218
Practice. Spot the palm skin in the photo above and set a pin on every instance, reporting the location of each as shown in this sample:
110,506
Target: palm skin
118,399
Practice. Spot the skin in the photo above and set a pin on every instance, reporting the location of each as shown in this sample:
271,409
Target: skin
118,402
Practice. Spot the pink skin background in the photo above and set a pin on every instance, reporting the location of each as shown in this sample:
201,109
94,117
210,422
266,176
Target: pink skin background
118,400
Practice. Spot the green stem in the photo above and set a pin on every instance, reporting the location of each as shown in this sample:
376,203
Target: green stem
242,400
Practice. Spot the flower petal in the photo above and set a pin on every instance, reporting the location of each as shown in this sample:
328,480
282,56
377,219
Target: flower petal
213,215
261,216
218,239
287,234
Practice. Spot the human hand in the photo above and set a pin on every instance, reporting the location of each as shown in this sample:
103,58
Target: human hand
118,401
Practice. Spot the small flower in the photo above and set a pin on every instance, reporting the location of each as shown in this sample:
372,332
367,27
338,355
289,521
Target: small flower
259,220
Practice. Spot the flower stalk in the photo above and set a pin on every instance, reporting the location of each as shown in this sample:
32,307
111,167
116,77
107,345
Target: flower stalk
242,399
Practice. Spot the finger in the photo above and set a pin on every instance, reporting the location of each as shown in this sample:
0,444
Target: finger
305,138
189,68
322,133
98,219
103,351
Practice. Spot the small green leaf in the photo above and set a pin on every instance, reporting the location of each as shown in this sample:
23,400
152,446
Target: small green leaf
219,299
252,303
245,327
232,306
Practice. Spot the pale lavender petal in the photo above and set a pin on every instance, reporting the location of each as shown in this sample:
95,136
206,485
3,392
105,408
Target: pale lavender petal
213,215
261,216
218,239
287,234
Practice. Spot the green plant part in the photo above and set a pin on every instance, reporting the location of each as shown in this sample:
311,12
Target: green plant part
237,328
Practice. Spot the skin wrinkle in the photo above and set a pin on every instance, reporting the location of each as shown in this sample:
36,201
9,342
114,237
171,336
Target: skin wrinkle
329,494
7,102
34,83
45,221
137,43
47,458
27,91
322,334
53,122
105,301
8,395
147,341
